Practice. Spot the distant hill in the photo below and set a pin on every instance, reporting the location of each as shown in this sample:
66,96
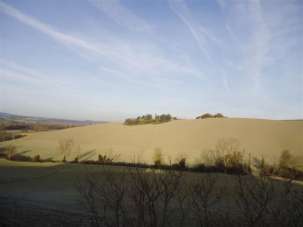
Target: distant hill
20,119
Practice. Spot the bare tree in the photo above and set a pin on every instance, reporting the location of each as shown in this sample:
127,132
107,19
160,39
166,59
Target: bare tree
11,151
158,157
146,194
163,198
254,197
183,203
65,147
170,183
204,197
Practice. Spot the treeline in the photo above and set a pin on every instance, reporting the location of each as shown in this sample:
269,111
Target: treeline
4,136
208,115
149,119
11,131
33,126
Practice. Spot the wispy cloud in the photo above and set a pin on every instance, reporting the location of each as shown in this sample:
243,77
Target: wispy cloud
261,33
259,44
48,30
201,33
122,15
181,10
12,71
63,38
130,61
222,4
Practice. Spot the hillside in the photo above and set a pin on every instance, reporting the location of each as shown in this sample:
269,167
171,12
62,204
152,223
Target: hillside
189,138
7,118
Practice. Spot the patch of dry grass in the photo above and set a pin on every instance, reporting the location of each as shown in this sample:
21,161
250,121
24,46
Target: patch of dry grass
189,138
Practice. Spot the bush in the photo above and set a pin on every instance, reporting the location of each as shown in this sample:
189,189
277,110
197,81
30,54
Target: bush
158,157
105,159
65,147
21,158
181,165
11,151
37,158
262,167
285,159
76,160
227,157
233,159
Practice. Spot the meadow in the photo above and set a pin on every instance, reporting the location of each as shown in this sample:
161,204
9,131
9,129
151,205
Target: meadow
190,139
35,194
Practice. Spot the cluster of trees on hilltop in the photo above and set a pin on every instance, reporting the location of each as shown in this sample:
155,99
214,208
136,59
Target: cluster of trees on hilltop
208,115
149,119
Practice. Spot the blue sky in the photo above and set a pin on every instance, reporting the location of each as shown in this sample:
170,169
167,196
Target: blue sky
111,59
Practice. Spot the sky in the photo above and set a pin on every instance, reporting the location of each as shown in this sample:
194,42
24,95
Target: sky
112,59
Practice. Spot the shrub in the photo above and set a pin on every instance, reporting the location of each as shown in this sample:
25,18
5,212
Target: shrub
262,167
181,165
104,159
227,157
11,151
233,159
37,158
76,160
158,157
285,159
21,158
65,147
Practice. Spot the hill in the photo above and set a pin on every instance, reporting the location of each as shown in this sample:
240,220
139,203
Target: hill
188,138
20,119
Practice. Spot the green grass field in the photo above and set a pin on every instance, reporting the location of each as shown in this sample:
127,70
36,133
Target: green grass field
53,188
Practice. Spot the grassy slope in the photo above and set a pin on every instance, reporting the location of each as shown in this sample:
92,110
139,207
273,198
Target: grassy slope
182,137
52,186
56,186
